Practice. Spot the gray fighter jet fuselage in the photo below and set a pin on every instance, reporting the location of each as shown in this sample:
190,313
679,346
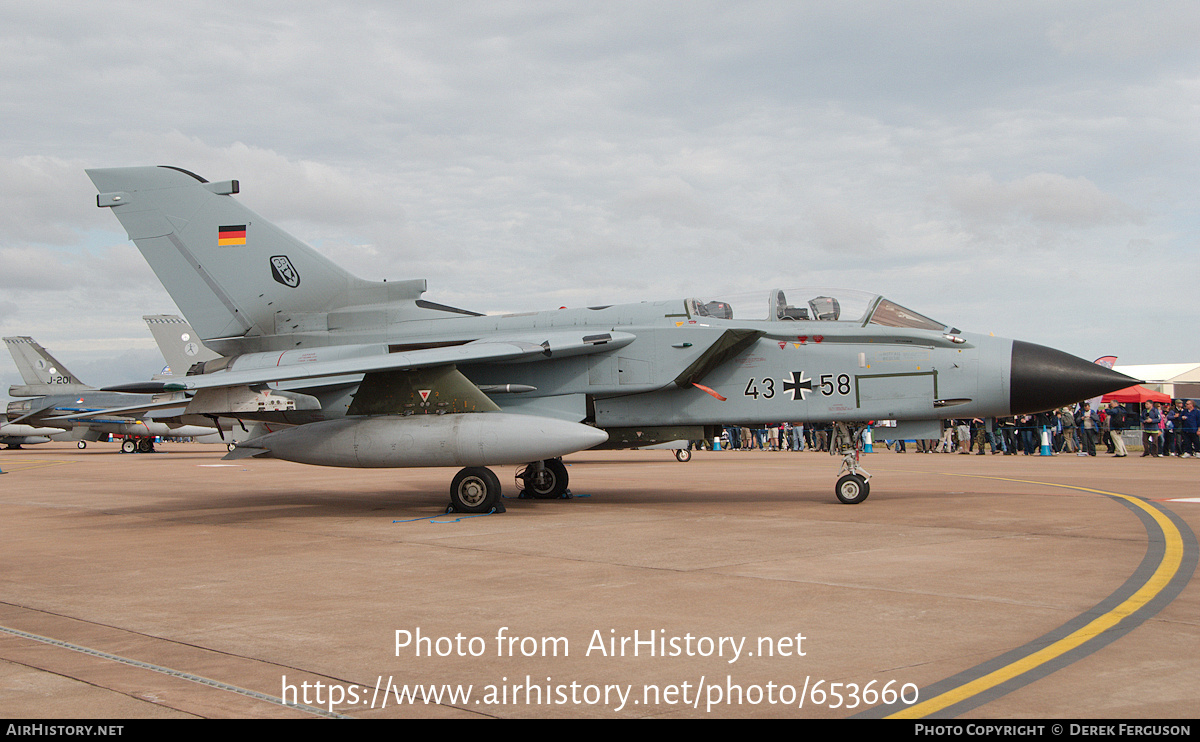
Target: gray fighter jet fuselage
650,363
374,375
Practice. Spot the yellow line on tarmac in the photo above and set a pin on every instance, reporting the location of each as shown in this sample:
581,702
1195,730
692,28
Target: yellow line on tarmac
21,465
1172,558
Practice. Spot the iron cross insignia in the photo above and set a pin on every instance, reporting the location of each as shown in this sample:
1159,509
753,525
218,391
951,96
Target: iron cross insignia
798,385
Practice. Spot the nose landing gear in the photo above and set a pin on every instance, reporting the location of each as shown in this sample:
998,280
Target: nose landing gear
852,486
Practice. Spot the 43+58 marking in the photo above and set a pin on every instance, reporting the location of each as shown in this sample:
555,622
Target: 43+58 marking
799,386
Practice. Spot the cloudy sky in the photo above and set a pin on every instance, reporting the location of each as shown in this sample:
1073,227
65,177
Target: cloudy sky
1028,169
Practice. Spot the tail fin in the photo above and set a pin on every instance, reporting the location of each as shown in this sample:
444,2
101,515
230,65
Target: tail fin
231,272
42,373
178,342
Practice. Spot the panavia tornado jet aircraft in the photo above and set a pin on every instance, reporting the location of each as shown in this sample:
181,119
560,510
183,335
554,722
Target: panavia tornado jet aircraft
61,406
380,377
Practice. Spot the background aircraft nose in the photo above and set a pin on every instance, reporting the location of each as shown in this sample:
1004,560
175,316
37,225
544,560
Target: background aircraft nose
1044,378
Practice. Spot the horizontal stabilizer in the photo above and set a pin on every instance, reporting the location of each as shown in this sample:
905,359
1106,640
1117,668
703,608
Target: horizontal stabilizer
177,405
45,390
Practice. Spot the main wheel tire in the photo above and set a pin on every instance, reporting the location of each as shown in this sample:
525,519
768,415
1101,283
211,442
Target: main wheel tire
475,489
81,445
547,484
852,489
683,455
129,446
145,446
230,446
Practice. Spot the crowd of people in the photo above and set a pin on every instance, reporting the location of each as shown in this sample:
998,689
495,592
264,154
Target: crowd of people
1167,429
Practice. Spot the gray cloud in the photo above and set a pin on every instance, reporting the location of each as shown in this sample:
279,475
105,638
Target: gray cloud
529,155
1043,199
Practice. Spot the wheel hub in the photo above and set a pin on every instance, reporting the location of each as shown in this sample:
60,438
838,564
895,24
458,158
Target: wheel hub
472,491
542,481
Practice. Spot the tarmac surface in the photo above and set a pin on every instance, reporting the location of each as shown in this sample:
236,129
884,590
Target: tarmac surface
178,585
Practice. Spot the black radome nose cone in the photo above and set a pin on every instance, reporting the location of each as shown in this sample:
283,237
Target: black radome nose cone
1044,378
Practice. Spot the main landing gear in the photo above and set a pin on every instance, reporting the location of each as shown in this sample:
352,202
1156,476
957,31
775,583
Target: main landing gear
475,489
544,480
140,445
852,486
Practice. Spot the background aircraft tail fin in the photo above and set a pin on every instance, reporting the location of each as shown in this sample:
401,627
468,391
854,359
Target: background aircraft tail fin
43,374
178,342
36,364
232,273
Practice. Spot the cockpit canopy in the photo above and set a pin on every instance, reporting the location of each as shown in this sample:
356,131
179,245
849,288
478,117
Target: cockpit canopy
814,305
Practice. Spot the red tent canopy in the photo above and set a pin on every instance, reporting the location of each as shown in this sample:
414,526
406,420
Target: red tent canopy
1136,393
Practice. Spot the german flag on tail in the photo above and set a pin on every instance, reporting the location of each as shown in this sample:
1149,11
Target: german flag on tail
233,235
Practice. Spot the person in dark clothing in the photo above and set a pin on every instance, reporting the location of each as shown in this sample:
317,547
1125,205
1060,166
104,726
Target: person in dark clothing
1088,423
1190,445
1172,435
1150,430
1116,423
1008,429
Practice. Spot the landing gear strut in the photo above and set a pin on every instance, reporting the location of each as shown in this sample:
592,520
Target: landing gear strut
475,489
544,480
852,487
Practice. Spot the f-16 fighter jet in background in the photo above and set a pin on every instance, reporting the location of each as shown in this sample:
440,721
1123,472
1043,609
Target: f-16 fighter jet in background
60,405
